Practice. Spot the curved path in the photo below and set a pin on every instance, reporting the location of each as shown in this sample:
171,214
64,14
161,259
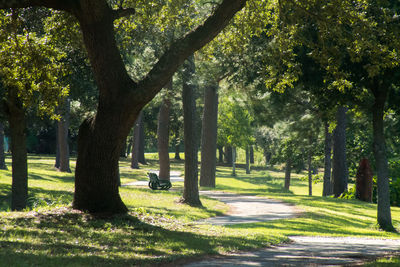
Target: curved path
302,251
249,209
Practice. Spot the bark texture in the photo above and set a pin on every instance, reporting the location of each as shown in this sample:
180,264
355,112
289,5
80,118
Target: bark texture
339,171
247,160
251,154
16,119
120,98
327,187
142,158
220,154
191,186
288,170
228,155
163,135
309,162
209,136
177,150
62,137
233,149
364,181
381,162
3,165
136,143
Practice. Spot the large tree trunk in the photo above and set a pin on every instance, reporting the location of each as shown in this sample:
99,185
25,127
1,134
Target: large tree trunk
209,136
136,143
62,132
379,148
191,186
163,135
339,171
288,170
3,165
247,160
16,119
327,187
120,98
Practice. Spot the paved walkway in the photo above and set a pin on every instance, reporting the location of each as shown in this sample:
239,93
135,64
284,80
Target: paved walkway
309,251
302,251
249,209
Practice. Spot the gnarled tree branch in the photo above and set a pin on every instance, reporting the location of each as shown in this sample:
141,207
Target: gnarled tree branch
187,45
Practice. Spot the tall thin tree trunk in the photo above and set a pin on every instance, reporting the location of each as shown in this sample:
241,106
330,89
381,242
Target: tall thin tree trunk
135,143
233,149
288,170
228,155
62,131
142,158
3,165
247,160
252,154
339,171
209,136
220,154
381,162
163,135
327,187
191,186
309,170
123,150
266,156
16,118
177,145
57,163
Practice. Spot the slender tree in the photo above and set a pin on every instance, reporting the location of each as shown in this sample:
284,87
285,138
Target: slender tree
62,137
209,136
3,165
191,187
339,170
163,134
29,70
247,150
136,142
327,187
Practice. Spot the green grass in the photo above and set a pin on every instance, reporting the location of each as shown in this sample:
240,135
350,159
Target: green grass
384,262
159,229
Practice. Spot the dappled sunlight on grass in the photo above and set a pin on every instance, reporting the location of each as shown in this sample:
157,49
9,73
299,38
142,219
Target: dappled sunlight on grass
322,215
158,228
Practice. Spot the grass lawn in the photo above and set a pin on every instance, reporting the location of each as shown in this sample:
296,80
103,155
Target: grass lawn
158,229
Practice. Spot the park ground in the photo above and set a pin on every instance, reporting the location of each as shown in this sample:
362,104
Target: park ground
159,229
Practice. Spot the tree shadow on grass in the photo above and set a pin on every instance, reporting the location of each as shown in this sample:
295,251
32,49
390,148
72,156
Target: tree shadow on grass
73,238
5,197
312,223
37,197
